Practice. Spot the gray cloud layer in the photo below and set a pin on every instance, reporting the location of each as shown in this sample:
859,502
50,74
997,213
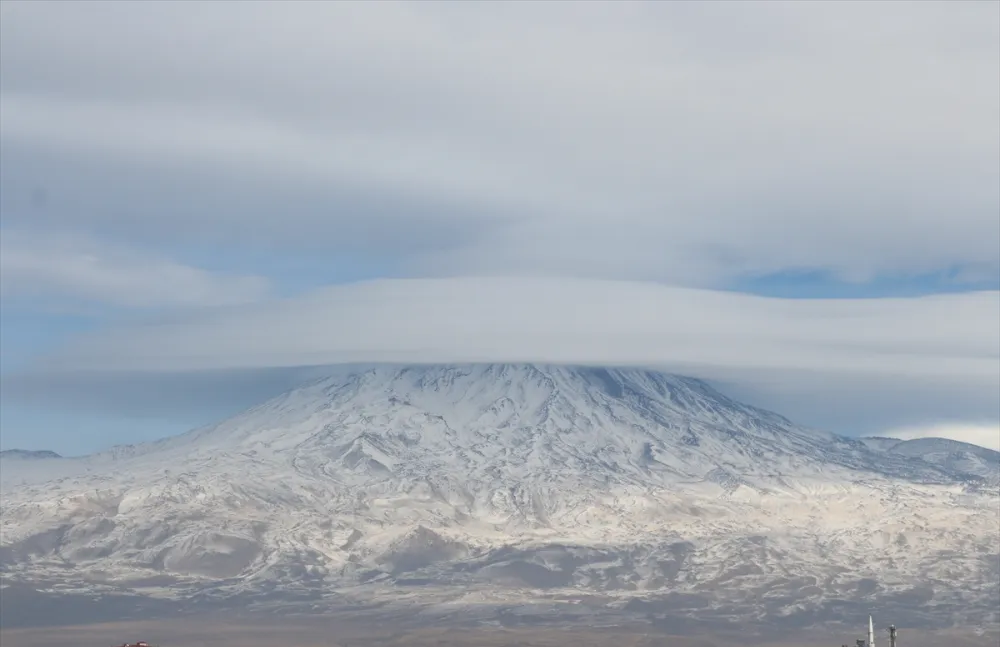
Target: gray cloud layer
689,142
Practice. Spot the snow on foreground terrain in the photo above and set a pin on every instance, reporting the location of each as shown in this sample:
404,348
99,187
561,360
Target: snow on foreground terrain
471,486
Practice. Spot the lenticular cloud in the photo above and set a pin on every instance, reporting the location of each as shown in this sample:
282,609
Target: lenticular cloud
564,321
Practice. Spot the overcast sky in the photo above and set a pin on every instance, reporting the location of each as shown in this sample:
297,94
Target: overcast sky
800,201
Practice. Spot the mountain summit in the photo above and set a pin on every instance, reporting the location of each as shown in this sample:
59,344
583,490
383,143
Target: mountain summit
520,480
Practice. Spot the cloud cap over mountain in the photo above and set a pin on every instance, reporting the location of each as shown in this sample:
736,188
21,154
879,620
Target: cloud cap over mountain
565,320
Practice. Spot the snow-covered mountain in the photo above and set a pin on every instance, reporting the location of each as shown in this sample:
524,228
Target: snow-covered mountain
500,484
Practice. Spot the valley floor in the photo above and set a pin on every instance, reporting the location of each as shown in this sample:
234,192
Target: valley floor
325,632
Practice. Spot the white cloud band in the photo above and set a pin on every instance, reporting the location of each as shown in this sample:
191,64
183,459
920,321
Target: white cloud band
555,320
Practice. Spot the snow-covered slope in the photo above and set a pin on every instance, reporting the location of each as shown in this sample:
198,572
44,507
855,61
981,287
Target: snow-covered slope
516,482
953,456
964,461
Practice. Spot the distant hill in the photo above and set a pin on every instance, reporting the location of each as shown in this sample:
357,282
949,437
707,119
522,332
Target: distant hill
28,454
